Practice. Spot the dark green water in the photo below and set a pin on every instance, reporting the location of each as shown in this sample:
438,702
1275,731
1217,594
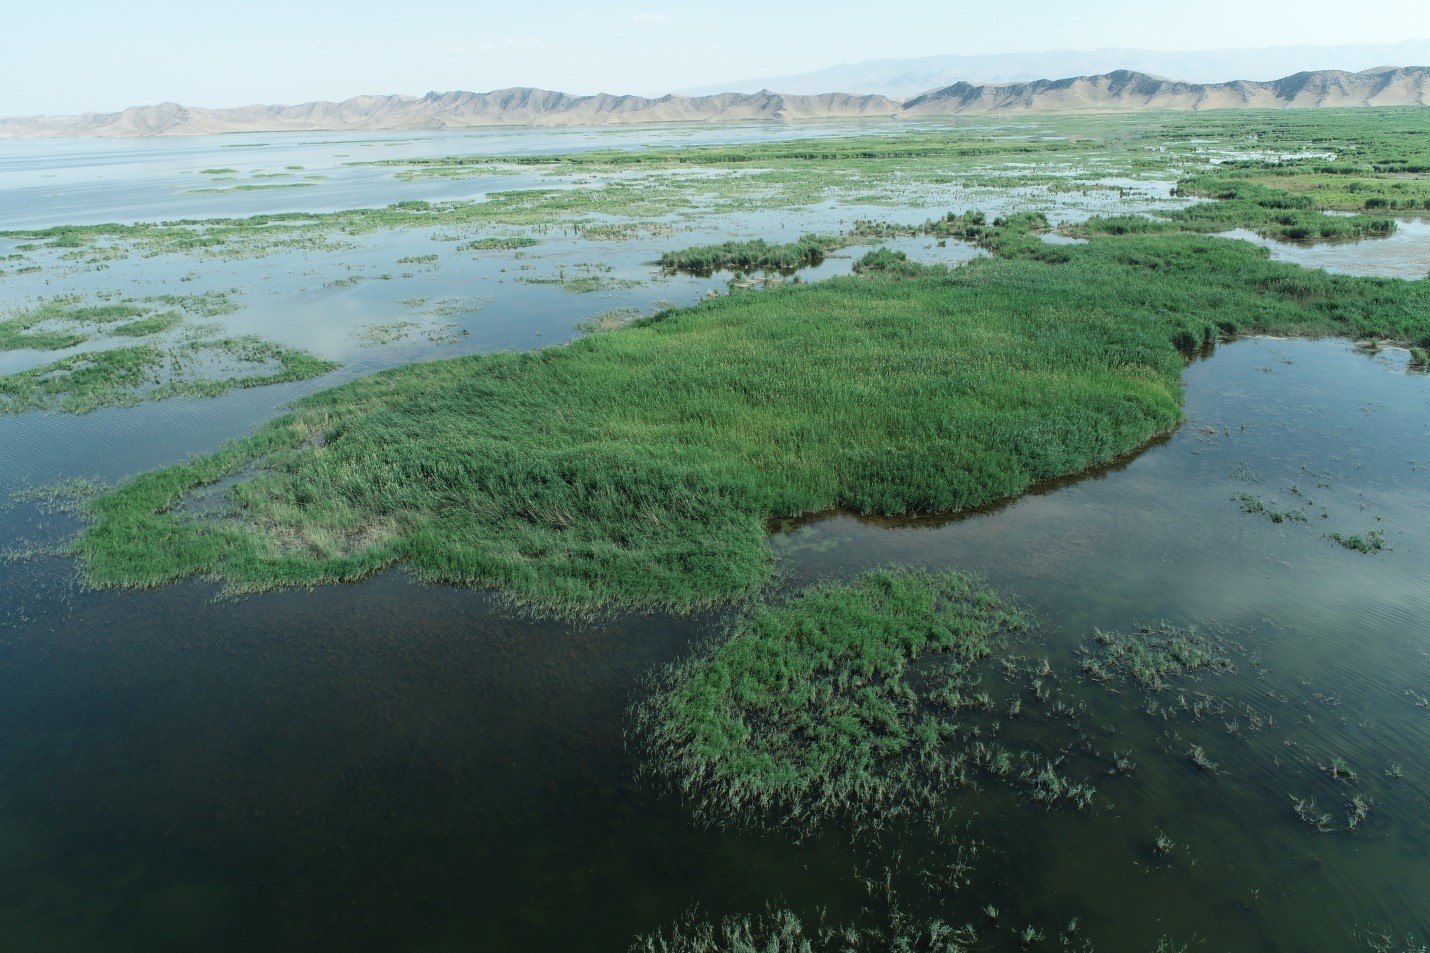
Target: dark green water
390,766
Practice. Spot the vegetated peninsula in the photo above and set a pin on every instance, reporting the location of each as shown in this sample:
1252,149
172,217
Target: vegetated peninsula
1118,91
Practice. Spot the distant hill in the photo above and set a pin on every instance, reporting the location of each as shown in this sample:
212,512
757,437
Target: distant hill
904,78
454,110
1125,90
1120,90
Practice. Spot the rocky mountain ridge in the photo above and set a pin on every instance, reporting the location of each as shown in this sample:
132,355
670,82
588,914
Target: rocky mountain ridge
1117,91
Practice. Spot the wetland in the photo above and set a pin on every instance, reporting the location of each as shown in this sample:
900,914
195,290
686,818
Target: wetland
986,535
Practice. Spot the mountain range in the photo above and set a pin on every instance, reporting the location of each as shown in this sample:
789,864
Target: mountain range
1120,90
905,78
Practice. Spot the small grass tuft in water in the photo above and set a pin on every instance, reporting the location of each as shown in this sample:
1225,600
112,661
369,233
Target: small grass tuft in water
1367,543
1340,771
782,931
1305,809
1197,755
1152,655
1357,810
1254,505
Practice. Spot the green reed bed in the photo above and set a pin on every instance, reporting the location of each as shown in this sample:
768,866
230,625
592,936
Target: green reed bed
1344,187
639,467
972,227
754,255
510,243
1273,213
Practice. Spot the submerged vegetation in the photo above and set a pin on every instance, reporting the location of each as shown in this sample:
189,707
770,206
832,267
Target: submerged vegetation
191,364
61,323
1274,173
68,321
129,375
784,931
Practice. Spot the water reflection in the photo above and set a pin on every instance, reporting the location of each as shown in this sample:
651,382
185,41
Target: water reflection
1403,254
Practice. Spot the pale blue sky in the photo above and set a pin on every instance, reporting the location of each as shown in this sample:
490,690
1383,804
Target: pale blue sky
63,56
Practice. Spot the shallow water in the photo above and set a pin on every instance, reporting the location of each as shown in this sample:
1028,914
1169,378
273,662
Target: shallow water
77,181
1403,254
398,766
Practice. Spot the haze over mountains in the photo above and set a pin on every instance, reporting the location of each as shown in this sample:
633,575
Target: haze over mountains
905,78
1117,91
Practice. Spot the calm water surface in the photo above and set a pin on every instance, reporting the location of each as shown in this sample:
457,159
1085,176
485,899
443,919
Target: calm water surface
394,766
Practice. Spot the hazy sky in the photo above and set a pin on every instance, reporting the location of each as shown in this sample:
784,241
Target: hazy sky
63,56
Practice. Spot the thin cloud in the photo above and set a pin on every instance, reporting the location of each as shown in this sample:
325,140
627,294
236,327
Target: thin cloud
510,43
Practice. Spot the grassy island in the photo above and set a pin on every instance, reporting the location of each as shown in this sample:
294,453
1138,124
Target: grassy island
640,466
